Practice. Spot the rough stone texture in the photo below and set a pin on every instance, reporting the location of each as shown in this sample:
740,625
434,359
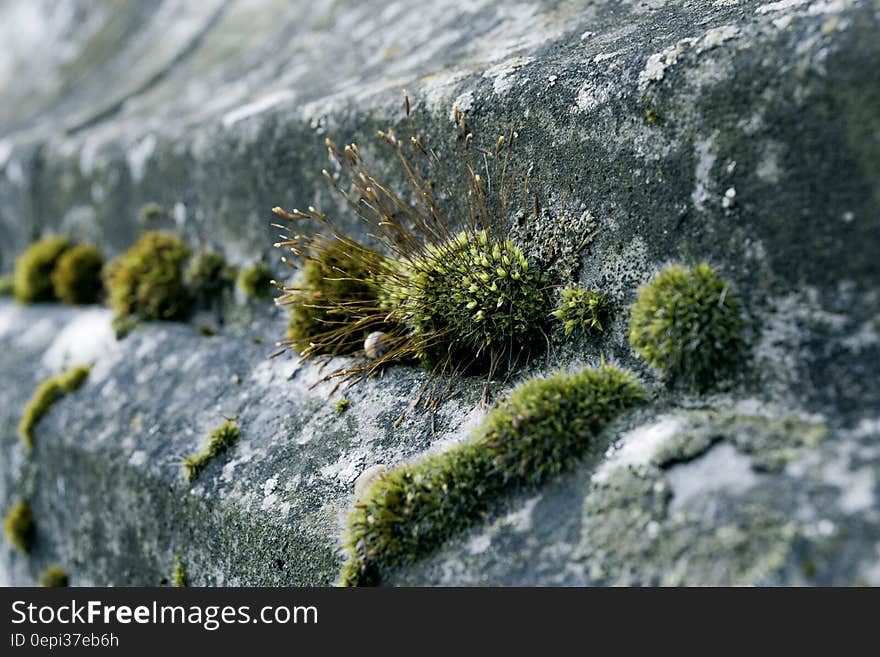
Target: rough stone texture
743,133
106,481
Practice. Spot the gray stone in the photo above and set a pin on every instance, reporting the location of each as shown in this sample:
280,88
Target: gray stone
743,133
660,511
106,481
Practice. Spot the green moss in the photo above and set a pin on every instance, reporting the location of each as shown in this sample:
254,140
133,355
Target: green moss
688,324
255,281
178,578
544,426
76,278
470,295
7,285
32,280
147,280
54,576
446,285
153,212
208,274
581,309
19,526
71,380
219,440
342,405
123,325
46,394
332,293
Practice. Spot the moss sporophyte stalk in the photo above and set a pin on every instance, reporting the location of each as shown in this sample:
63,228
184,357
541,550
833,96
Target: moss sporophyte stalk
545,425
218,441
441,281
46,394
336,290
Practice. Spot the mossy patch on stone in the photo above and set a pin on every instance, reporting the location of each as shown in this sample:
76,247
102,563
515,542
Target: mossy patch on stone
771,442
333,291
7,285
123,325
342,405
19,526
468,296
208,274
630,538
32,280
688,323
581,309
54,576
76,278
178,577
154,211
440,280
545,425
255,281
147,280
218,441
46,394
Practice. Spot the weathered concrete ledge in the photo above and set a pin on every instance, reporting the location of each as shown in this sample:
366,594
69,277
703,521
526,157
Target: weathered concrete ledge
106,482
743,133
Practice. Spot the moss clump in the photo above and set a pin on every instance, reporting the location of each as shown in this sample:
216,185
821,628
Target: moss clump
447,285
123,325
147,280
342,405
19,526
76,278
54,576
333,291
544,426
581,309
32,280
255,281
208,274
688,324
178,577
46,394
218,441
7,285
469,295
154,211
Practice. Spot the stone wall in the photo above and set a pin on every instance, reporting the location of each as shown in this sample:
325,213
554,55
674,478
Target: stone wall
742,133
